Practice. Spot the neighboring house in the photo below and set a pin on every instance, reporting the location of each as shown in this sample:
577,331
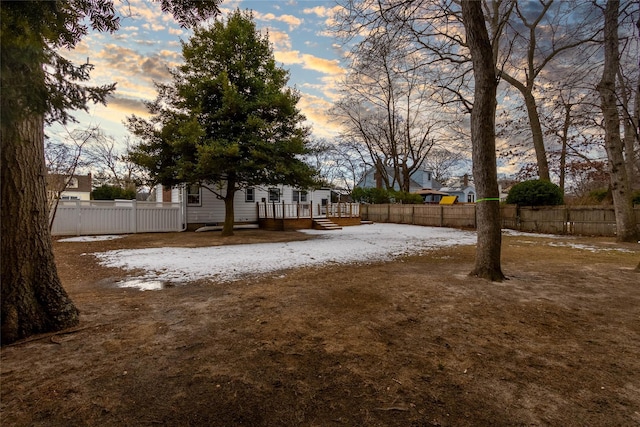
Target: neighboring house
431,196
421,179
76,187
204,208
463,188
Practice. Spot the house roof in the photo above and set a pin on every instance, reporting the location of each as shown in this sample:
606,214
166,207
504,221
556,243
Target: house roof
427,191
84,182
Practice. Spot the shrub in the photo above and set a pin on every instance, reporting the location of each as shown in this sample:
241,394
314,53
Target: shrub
599,195
382,196
406,198
112,192
535,193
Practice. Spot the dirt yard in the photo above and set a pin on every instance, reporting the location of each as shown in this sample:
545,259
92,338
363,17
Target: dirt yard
413,342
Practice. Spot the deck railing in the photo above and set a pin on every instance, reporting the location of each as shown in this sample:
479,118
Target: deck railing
307,210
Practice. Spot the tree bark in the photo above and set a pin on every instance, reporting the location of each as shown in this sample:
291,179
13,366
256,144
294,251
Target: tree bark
229,215
33,299
483,141
537,136
626,229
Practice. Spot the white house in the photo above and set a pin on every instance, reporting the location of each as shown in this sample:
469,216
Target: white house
204,208
463,188
75,187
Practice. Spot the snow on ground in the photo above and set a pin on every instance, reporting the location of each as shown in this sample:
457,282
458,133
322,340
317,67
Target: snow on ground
90,238
365,243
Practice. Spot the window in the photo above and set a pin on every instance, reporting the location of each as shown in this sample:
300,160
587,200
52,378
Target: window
471,198
72,183
274,195
193,195
249,195
299,196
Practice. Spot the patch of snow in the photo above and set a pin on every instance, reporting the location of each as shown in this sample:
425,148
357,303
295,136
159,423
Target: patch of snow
91,238
143,285
377,242
589,248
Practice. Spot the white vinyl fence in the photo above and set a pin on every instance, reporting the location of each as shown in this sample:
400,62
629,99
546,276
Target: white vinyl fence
83,217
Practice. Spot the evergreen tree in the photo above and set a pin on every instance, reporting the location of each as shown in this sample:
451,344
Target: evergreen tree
227,121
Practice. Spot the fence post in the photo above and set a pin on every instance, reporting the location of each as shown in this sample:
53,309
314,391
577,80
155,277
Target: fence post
475,216
441,215
134,216
78,218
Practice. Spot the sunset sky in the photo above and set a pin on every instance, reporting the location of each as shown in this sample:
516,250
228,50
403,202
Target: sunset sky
148,43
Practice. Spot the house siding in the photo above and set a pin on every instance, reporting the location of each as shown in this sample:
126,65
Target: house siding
211,209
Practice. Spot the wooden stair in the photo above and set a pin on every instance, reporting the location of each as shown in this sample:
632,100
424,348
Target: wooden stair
325,224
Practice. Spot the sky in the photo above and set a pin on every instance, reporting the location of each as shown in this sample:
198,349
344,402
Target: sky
148,44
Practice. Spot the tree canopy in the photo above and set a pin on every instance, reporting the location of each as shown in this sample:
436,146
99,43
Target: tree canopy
227,121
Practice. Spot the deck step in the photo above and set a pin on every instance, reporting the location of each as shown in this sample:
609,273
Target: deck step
325,224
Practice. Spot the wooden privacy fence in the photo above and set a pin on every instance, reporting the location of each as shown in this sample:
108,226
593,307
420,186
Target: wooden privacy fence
579,220
83,217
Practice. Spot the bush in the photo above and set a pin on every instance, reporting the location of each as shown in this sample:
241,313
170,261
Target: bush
535,193
382,196
406,198
112,192
600,195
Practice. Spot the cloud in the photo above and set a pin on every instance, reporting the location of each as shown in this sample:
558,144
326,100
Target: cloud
142,10
321,11
128,105
310,62
325,66
175,31
316,110
154,27
291,20
279,39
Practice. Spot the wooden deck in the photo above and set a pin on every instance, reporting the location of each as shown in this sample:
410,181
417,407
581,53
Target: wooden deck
296,216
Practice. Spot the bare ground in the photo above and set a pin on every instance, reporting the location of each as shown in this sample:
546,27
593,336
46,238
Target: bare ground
414,342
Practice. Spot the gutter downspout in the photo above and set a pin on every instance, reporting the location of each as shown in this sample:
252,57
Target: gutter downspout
183,206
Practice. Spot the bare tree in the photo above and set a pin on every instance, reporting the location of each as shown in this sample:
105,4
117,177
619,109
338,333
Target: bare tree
339,163
620,185
539,33
386,107
442,161
483,140
62,159
111,162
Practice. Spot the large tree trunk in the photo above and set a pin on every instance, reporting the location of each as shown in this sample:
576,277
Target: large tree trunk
229,214
483,140
33,299
620,185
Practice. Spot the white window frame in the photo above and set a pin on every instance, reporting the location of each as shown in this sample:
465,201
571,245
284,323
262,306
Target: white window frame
250,195
300,196
274,191
72,182
193,194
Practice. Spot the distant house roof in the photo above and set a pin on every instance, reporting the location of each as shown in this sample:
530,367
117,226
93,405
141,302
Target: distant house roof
79,183
427,191
419,179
